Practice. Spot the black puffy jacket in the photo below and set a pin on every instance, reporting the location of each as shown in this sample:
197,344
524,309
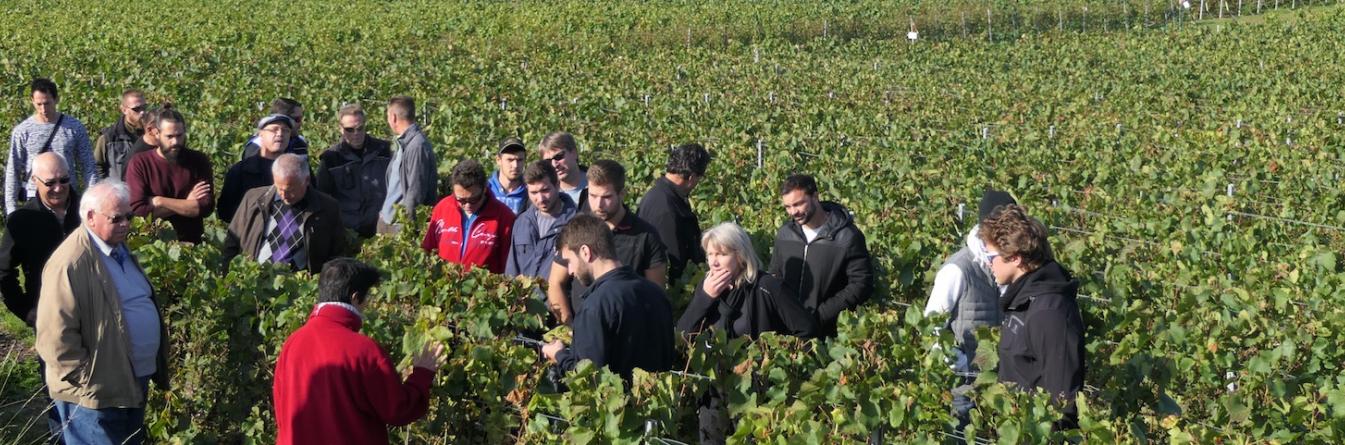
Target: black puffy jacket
831,274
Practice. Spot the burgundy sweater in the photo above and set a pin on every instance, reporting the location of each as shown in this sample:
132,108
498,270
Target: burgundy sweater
333,385
149,175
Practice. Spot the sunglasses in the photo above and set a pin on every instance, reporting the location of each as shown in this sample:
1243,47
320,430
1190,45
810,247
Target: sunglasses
118,218
470,200
138,109
63,180
990,256
353,130
558,157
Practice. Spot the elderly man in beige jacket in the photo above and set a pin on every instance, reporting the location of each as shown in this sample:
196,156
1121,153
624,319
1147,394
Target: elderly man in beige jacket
99,329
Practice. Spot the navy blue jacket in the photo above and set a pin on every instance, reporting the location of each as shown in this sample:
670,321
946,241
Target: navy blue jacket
530,253
625,323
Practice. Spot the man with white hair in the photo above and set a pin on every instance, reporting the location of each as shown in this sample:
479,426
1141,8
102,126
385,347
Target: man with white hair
99,328
288,222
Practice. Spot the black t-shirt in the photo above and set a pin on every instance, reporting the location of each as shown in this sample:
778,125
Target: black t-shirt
637,247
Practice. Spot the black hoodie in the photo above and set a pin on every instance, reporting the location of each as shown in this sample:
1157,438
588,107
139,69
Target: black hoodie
831,274
1041,343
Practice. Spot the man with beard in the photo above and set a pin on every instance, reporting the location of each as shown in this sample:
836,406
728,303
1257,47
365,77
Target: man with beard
821,253
626,321
173,182
273,133
507,182
115,143
637,243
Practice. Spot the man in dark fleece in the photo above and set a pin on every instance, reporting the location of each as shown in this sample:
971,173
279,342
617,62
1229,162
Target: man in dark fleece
821,254
1041,343
625,321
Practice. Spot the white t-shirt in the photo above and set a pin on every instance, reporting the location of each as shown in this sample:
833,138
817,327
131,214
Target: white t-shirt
808,234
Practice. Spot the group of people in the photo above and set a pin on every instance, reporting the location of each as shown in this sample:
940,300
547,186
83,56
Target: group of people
101,338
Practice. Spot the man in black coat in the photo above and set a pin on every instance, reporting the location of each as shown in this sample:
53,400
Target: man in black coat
32,233
1041,343
625,321
354,171
667,207
821,254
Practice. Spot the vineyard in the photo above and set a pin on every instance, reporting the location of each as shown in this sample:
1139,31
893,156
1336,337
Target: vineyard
1187,160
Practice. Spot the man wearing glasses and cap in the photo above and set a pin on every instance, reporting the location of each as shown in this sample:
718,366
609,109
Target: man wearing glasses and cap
297,143
354,172
507,182
116,143
470,227
273,135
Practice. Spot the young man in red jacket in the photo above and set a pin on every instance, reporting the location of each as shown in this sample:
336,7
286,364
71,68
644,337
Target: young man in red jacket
470,227
333,385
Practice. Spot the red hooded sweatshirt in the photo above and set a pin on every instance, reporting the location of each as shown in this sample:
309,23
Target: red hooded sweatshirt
488,243
333,385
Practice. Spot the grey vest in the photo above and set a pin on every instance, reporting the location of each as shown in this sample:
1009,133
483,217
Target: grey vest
979,303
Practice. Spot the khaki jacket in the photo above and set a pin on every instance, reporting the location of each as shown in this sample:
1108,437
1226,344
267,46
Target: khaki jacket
81,334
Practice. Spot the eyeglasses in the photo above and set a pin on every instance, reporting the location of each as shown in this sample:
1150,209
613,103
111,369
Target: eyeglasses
470,200
353,130
558,157
63,180
118,218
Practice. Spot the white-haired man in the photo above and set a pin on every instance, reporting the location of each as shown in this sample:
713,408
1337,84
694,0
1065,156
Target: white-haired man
287,222
99,329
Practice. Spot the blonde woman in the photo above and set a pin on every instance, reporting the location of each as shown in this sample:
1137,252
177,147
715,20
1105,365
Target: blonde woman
736,294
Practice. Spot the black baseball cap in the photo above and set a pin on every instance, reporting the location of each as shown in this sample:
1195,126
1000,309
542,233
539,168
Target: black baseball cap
512,144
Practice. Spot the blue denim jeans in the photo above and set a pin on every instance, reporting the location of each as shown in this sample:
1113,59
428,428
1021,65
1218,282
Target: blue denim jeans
107,426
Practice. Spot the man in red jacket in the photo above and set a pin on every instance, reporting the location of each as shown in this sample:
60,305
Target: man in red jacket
333,385
470,227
